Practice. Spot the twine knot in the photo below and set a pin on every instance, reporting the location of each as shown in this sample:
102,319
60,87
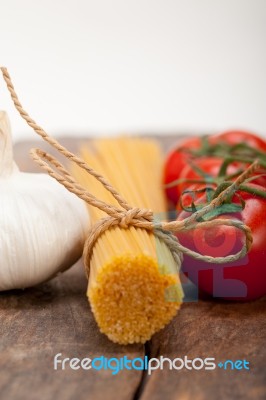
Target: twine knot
134,216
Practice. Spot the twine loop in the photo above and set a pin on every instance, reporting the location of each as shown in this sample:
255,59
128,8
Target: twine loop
125,215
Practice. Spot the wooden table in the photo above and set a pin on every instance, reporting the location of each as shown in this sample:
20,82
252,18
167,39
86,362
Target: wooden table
55,317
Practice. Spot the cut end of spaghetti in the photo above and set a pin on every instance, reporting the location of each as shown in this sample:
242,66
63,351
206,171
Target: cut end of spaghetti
132,299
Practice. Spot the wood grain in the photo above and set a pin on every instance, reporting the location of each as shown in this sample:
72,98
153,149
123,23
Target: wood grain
55,318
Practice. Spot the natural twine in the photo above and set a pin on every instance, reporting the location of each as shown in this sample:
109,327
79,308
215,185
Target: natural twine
126,215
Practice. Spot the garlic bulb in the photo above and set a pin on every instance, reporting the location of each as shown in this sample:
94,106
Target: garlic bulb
42,225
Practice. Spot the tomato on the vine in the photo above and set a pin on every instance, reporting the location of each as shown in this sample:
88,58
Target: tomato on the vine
244,279
204,149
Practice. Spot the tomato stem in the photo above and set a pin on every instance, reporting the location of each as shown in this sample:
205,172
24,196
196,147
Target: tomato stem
253,190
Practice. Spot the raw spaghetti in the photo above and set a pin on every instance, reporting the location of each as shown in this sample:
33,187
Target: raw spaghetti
134,287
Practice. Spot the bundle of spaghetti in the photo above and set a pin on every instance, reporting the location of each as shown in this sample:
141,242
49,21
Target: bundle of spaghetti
134,287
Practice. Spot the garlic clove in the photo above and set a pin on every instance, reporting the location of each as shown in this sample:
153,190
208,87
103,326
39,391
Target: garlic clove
43,227
7,164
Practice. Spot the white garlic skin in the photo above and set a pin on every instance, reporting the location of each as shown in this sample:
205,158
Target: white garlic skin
42,227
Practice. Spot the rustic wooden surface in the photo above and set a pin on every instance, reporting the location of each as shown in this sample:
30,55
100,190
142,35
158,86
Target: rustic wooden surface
55,318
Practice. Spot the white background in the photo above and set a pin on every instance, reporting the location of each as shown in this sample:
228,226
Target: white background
110,66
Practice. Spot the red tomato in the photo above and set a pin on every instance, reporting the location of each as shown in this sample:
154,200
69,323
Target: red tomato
244,279
175,162
236,136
